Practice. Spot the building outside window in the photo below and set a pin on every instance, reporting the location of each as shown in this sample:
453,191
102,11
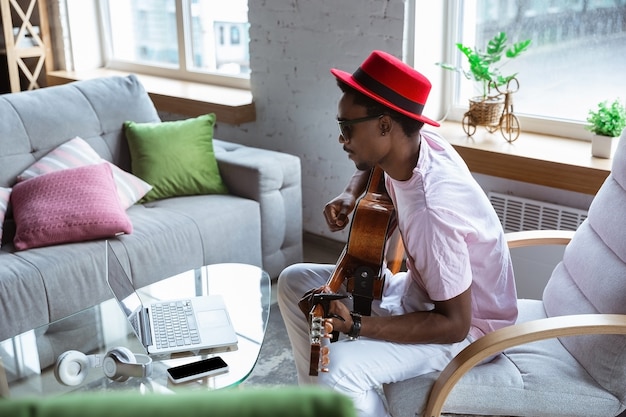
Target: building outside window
203,40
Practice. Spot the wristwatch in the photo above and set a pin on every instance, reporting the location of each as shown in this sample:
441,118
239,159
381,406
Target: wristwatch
355,330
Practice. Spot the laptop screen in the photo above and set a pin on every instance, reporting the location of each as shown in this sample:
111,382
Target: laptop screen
122,288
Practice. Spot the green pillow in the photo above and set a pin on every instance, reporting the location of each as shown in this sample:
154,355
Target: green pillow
176,158
275,401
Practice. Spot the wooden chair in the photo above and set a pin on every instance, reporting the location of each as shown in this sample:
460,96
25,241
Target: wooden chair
566,355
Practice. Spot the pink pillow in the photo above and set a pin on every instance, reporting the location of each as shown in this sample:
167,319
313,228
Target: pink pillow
5,194
77,153
71,205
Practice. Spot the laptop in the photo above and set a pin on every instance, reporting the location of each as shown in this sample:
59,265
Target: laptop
171,326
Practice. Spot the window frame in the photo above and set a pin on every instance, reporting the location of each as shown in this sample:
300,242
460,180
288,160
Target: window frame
183,24
455,26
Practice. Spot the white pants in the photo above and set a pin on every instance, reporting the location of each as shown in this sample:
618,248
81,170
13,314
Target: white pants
358,368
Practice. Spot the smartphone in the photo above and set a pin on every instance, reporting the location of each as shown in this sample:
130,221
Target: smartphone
197,370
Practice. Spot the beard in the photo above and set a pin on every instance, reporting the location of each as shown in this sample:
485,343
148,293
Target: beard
362,166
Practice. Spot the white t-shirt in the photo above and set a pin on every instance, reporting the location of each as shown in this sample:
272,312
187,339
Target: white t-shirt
453,237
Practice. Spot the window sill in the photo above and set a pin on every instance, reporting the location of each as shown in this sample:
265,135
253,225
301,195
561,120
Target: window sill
551,161
230,105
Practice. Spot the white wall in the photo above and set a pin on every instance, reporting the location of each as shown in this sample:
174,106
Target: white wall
293,45
82,18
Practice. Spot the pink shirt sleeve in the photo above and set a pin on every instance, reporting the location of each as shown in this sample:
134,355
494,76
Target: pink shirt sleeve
444,270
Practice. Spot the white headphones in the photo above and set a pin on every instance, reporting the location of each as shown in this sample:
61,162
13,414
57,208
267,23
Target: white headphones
118,364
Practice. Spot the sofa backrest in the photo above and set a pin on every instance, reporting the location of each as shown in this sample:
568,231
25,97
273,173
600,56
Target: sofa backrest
35,122
592,279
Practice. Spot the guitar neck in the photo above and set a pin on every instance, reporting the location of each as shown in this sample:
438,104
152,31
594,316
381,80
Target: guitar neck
376,183
371,225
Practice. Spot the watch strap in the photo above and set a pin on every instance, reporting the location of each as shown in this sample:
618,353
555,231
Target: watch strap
355,330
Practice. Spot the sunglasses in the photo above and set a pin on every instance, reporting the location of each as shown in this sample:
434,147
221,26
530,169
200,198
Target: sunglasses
345,126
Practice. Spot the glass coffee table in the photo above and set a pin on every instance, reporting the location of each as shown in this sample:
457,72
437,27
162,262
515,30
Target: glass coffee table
27,360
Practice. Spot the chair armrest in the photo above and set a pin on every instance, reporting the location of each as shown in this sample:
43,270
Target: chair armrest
518,334
250,172
538,237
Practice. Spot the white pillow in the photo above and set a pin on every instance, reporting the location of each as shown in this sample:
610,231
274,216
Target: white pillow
76,153
5,194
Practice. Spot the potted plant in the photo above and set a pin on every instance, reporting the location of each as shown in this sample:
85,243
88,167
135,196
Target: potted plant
485,68
606,122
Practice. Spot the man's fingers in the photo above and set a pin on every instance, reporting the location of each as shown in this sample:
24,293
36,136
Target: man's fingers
342,219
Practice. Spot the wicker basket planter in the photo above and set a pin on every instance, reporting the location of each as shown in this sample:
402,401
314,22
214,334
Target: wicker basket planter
486,111
494,112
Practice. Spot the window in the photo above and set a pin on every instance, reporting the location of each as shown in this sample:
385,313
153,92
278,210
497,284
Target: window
197,40
576,59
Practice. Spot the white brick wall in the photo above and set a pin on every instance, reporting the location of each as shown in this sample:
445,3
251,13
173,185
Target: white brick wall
293,45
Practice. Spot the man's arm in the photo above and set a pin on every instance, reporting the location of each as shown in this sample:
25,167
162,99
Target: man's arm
448,322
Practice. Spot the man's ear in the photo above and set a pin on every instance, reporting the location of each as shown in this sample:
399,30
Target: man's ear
385,125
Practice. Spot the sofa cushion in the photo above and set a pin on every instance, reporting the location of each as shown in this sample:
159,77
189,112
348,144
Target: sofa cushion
23,285
5,194
70,205
76,153
188,232
176,158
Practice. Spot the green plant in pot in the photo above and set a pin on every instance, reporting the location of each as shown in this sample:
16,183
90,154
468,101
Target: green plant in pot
485,68
606,122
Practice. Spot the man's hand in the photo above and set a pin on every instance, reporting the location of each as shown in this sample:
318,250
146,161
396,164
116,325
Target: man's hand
340,320
337,210
306,302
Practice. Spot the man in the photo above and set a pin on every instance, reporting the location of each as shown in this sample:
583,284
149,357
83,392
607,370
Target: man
459,281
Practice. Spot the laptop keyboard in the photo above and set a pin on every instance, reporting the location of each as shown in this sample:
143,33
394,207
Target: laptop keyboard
174,324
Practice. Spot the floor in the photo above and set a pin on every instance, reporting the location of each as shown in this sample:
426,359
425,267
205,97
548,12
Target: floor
317,249
275,365
321,249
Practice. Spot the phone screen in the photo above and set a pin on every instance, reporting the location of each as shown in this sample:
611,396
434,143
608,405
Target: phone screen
198,369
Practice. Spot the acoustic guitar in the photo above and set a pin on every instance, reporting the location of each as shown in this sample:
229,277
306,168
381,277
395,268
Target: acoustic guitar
372,225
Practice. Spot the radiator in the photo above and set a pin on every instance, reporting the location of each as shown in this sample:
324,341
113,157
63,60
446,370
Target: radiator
517,214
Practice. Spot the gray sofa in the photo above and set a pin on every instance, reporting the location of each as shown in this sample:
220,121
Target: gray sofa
258,222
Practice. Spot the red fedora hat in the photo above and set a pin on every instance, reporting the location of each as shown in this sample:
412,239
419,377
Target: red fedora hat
391,82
